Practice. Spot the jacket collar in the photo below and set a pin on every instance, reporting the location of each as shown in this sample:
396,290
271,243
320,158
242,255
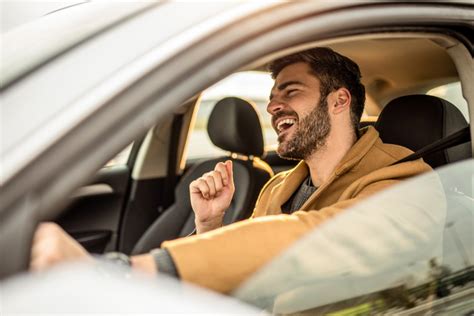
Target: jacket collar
358,150
285,189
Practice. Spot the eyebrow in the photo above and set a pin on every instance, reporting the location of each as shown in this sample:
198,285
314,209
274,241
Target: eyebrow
284,85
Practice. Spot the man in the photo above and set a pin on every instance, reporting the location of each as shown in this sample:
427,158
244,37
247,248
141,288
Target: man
316,105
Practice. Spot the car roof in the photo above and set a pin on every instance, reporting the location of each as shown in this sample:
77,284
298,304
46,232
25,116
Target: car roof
34,43
393,67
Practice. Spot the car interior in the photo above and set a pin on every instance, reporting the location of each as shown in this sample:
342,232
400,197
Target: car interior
133,207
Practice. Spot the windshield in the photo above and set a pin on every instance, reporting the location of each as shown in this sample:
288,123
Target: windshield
408,249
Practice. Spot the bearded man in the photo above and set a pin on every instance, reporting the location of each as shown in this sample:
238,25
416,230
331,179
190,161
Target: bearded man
316,105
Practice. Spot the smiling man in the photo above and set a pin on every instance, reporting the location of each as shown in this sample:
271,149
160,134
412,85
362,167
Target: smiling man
316,105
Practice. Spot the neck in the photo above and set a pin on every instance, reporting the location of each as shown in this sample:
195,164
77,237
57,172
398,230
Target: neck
324,161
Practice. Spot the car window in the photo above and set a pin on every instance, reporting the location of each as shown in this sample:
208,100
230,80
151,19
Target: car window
250,85
407,250
452,92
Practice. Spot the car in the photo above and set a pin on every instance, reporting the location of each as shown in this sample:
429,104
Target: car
108,77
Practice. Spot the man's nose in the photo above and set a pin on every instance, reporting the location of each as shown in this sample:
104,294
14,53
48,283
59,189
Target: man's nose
274,106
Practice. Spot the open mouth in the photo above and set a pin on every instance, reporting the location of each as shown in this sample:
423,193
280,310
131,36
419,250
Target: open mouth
285,124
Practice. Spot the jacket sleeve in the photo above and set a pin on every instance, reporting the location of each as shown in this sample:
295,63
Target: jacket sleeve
222,259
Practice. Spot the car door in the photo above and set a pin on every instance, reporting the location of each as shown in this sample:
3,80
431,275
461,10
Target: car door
94,212
132,190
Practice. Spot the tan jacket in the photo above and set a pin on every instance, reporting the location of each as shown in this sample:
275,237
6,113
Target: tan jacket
223,258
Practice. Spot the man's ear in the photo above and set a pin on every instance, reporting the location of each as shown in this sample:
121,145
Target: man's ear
341,101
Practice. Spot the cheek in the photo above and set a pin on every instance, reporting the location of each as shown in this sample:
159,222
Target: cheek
306,106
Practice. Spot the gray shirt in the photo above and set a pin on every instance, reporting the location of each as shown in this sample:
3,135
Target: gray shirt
298,198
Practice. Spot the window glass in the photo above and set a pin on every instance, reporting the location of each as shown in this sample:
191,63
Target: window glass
405,251
252,86
452,92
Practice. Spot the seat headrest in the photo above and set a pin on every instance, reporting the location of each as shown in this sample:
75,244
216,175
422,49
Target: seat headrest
415,121
234,126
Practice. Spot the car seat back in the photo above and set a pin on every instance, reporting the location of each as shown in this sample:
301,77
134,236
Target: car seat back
415,121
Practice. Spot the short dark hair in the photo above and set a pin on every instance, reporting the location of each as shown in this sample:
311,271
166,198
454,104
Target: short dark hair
334,71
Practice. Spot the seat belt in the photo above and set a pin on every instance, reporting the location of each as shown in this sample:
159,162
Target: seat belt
460,137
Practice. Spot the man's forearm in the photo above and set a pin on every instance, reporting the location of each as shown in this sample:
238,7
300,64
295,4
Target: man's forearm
202,227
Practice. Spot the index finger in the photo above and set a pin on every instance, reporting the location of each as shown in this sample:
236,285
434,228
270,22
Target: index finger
229,169
221,168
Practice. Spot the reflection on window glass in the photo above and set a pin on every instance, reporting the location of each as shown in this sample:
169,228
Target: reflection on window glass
121,159
406,251
252,86
452,92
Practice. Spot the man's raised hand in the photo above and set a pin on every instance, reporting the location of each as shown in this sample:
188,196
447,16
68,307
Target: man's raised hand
211,195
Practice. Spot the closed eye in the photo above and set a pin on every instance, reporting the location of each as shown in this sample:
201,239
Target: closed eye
291,92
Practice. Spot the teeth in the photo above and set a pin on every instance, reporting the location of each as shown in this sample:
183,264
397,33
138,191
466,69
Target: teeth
285,121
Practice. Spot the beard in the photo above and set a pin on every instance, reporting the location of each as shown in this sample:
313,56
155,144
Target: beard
310,136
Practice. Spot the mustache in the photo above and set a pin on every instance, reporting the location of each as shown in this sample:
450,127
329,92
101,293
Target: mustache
283,113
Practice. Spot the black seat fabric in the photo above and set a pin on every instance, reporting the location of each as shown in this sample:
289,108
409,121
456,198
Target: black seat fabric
415,121
234,126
